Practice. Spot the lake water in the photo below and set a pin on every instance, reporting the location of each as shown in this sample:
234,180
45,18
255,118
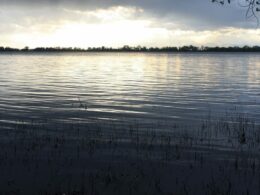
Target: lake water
148,88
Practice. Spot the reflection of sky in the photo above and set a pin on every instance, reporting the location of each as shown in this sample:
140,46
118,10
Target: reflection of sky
146,87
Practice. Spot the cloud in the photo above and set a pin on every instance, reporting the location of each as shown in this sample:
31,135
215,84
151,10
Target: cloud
84,23
199,14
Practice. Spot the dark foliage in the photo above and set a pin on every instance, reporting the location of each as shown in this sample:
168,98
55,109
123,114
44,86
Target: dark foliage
127,48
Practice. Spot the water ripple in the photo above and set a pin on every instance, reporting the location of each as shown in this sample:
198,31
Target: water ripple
145,87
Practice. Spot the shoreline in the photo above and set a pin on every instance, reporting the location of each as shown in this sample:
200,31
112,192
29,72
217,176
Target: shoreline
90,160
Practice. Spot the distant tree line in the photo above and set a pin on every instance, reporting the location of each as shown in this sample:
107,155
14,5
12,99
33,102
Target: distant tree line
135,49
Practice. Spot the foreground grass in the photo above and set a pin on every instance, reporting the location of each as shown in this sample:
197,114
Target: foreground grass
215,157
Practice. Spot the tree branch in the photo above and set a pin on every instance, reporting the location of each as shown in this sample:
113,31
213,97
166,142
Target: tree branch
252,6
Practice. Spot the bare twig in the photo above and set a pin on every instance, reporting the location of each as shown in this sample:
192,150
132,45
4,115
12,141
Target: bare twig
252,6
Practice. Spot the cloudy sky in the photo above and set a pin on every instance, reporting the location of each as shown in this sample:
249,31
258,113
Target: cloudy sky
88,23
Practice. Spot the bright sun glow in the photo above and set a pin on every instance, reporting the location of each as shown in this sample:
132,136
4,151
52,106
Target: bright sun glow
115,27
116,33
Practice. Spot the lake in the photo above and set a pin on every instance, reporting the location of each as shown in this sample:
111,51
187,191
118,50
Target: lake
130,123
148,88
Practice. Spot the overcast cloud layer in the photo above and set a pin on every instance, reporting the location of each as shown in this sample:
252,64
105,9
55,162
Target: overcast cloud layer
163,21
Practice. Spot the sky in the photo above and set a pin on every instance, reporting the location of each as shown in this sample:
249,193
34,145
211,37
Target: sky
115,23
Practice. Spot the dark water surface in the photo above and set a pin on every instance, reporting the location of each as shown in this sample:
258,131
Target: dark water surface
130,123
178,88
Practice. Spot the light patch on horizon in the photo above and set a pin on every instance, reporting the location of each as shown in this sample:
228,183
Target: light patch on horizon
112,27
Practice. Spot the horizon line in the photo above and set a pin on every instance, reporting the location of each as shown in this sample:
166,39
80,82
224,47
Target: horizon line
127,48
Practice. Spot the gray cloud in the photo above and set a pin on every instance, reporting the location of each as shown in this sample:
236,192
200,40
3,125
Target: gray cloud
190,14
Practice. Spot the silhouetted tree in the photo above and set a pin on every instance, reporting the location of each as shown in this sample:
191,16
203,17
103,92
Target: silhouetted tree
25,48
189,48
252,6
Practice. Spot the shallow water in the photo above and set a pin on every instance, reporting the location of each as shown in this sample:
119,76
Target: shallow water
148,88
